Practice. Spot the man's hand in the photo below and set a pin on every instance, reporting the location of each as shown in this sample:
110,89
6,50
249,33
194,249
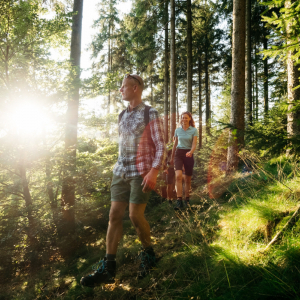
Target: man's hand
149,181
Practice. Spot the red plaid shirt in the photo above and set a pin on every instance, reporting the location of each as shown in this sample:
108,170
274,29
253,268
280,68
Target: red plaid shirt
138,151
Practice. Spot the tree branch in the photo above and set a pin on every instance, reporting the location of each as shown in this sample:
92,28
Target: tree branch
284,227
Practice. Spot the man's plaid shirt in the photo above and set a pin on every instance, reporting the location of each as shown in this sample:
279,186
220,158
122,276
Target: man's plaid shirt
138,152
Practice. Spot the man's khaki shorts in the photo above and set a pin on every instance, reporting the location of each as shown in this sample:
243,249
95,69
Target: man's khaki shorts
128,190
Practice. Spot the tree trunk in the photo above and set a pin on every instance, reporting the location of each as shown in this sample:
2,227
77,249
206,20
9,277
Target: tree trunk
31,231
200,100
253,93
109,67
177,105
237,119
207,99
151,87
293,115
256,85
266,75
68,185
248,78
50,191
189,58
166,73
173,73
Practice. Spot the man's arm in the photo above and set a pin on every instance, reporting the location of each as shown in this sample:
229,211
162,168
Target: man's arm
157,135
149,180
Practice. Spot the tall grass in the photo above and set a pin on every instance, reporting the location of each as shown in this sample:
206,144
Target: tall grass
213,250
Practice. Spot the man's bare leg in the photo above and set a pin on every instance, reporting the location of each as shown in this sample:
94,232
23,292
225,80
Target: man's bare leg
147,256
142,227
115,226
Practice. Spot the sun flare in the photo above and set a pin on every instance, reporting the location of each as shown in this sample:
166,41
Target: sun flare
28,119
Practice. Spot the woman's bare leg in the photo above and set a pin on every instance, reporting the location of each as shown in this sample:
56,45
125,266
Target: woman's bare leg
178,183
188,180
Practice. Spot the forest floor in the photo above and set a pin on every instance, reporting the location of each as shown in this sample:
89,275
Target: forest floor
217,249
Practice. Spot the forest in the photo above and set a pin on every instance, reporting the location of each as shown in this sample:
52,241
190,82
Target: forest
234,64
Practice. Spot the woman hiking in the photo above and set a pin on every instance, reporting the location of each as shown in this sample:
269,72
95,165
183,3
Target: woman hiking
185,142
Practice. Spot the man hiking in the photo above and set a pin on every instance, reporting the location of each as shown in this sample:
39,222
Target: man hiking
141,155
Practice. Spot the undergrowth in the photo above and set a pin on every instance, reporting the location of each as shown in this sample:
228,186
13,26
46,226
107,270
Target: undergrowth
217,249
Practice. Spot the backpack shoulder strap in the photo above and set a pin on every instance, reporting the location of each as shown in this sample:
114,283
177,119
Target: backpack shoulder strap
147,119
147,114
121,115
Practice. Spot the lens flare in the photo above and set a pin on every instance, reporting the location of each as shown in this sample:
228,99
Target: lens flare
27,119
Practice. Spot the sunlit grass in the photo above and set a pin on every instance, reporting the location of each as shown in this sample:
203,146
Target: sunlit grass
214,250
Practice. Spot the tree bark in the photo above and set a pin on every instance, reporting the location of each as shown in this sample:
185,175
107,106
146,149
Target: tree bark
253,94
189,58
248,78
200,100
31,231
166,73
293,115
266,75
237,119
173,73
151,88
207,98
50,191
109,66
256,84
177,106
68,185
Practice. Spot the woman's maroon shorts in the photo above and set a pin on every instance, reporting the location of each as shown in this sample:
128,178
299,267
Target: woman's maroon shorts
181,159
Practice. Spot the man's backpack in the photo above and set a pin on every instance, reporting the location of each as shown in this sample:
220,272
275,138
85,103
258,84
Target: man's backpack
146,119
146,115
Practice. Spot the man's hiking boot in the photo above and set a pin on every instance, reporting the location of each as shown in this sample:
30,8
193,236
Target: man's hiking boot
148,262
179,205
170,202
105,272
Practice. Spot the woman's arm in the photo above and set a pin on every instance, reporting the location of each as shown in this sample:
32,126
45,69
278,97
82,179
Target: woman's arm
194,145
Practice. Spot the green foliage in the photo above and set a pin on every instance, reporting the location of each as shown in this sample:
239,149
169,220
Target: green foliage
284,22
25,39
224,102
210,251
268,136
94,167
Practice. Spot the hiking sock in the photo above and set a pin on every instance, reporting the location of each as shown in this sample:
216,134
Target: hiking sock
111,262
110,257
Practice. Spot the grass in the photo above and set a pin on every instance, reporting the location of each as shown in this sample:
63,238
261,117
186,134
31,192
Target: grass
215,250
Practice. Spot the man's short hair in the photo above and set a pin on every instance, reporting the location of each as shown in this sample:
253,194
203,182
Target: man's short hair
136,78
